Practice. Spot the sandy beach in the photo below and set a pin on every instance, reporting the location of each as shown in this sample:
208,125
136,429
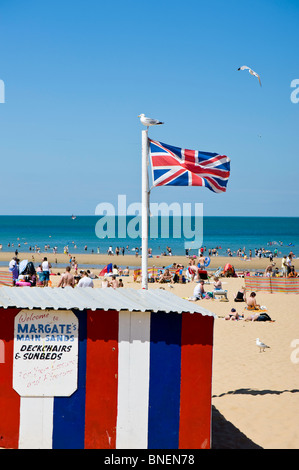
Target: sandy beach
99,260
255,396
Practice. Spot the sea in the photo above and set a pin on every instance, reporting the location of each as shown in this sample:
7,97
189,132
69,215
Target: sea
81,234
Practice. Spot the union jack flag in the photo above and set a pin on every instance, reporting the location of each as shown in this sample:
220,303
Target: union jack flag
173,166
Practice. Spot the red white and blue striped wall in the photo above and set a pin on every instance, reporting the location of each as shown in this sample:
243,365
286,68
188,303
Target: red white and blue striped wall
144,382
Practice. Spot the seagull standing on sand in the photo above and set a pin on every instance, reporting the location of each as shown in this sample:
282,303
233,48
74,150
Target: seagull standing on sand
146,121
252,72
261,345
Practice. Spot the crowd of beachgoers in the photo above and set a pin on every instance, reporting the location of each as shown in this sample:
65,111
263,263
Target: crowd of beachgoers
194,269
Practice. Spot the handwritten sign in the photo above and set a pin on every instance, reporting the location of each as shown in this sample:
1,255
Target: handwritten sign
45,353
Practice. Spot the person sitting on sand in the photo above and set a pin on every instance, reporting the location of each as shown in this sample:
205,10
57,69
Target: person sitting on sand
105,283
199,291
217,284
166,276
115,270
240,296
91,274
292,272
114,282
251,302
275,273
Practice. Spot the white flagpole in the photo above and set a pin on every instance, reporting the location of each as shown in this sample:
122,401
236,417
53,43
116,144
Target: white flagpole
144,213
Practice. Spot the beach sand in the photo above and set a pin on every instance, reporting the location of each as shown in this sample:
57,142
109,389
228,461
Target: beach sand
255,396
131,260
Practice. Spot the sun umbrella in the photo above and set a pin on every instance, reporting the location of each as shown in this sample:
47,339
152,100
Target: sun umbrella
22,265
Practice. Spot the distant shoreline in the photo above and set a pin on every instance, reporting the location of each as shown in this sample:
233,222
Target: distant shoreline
99,260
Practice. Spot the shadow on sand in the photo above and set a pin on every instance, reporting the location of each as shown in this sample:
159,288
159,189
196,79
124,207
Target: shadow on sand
226,436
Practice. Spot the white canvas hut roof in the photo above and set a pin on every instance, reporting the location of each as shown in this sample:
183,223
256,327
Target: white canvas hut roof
155,300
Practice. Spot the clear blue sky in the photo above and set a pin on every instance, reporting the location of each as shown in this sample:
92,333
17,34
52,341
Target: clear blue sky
77,74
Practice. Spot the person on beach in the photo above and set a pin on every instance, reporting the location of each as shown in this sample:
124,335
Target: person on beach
289,263
201,262
166,276
251,302
233,315
269,270
284,266
198,292
292,272
14,269
217,284
240,295
76,267
115,270
193,270
259,317
114,282
46,271
91,274
67,279
85,281
105,283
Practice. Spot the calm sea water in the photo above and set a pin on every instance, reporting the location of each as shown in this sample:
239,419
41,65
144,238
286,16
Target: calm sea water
222,232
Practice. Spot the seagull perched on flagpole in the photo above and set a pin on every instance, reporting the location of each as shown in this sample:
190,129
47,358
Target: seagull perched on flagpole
252,72
146,121
261,345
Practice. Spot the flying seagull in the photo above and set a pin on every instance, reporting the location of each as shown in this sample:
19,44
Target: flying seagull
252,72
261,345
146,121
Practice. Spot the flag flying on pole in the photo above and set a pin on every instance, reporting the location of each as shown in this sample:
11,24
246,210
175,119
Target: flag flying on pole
173,166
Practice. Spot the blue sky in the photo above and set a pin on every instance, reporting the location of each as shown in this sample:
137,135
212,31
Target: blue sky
78,73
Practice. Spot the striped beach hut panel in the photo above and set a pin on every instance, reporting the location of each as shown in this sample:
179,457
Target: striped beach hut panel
144,376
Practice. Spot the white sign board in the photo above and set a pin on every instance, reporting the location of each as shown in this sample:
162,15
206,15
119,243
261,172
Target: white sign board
45,353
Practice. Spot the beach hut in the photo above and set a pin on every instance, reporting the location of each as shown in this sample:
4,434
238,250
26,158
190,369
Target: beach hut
104,368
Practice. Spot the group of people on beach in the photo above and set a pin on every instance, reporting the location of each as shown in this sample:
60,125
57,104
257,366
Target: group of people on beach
85,278
256,311
28,275
287,268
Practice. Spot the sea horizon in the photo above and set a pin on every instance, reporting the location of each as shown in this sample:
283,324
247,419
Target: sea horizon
78,233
